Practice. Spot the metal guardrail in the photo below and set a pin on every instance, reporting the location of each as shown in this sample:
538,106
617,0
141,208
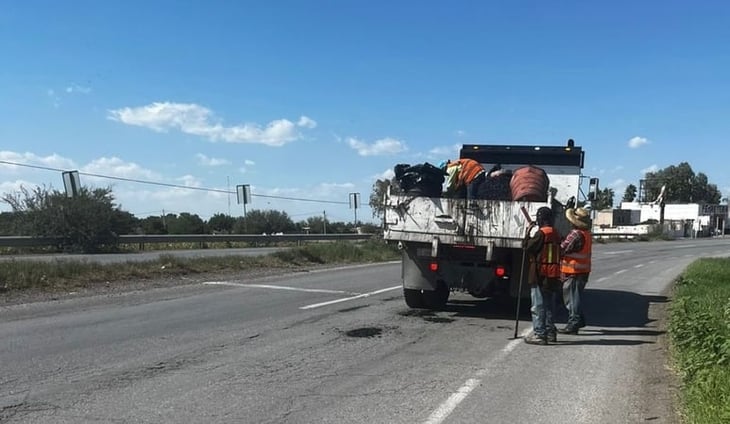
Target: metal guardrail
28,241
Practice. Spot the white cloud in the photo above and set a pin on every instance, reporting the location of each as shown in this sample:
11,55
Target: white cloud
384,146
618,183
207,161
74,88
306,122
460,133
7,187
652,168
247,164
116,167
385,175
189,181
637,142
445,152
52,161
194,119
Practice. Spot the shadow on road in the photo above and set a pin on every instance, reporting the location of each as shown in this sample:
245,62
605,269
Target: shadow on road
608,313
615,308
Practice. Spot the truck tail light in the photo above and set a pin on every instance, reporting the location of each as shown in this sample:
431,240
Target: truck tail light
499,271
433,266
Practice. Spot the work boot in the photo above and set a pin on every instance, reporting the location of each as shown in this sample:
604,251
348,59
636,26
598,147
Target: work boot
568,329
534,339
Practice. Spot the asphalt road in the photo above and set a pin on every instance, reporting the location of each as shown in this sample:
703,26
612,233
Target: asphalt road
340,346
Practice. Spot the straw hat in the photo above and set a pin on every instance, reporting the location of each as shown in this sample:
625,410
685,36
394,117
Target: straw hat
579,217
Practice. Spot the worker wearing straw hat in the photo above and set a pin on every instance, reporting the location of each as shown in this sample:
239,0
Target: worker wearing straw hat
575,265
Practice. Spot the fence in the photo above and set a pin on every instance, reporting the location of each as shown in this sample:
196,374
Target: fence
27,241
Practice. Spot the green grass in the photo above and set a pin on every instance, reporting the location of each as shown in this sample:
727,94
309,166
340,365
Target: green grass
18,276
700,333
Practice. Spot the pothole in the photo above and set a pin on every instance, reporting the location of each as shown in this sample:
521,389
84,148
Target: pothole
364,332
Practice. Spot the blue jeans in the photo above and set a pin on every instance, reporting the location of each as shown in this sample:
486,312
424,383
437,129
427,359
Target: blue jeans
573,287
543,310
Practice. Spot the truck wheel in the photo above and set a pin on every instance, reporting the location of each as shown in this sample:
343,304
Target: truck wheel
436,299
414,298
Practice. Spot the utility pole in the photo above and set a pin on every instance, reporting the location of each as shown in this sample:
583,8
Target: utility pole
324,222
228,189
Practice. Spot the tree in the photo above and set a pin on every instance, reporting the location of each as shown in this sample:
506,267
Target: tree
9,223
377,197
267,221
153,225
682,185
630,193
86,222
604,199
221,223
185,223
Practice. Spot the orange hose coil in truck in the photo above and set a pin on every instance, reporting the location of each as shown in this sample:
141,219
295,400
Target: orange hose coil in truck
529,183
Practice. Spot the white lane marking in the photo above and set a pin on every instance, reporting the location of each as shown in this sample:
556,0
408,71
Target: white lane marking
268,286
621,271
683,246
688,255
638,265
617,252
652,261
445,409
602,279
359,296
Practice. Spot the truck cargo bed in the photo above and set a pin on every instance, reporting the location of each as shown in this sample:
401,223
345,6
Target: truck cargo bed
494,223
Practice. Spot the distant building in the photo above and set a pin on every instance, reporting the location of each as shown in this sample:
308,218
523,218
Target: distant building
688,220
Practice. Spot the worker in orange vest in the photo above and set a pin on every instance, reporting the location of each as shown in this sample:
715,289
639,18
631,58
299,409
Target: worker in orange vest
463,173
543,248
575,265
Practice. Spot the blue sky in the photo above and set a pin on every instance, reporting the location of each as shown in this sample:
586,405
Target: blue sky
318,99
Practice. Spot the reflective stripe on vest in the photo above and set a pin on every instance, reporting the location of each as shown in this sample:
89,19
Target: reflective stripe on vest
550,254
578,262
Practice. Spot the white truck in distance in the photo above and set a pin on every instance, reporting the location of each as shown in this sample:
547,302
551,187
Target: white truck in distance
451,244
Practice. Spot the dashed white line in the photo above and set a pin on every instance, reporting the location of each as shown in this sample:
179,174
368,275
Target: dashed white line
445,409
359,296
617,252
638,265
602,279
268,286
621,271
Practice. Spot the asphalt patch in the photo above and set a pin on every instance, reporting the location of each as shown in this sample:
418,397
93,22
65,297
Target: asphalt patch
365,332
439,319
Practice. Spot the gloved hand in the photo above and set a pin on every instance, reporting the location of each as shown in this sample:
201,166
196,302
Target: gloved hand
570,204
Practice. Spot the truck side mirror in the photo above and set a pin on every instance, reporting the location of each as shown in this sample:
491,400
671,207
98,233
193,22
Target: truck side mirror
592,189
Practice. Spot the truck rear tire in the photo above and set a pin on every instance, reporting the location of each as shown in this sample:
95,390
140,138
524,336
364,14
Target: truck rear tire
414,298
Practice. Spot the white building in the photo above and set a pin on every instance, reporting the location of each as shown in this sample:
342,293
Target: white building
689,219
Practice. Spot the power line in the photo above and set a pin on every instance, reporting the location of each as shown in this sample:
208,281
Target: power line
134,180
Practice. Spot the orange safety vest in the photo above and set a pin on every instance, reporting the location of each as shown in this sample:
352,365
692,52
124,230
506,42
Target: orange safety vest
578,262
469,170
549,259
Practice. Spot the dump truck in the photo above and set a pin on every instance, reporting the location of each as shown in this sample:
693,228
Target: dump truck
453,244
